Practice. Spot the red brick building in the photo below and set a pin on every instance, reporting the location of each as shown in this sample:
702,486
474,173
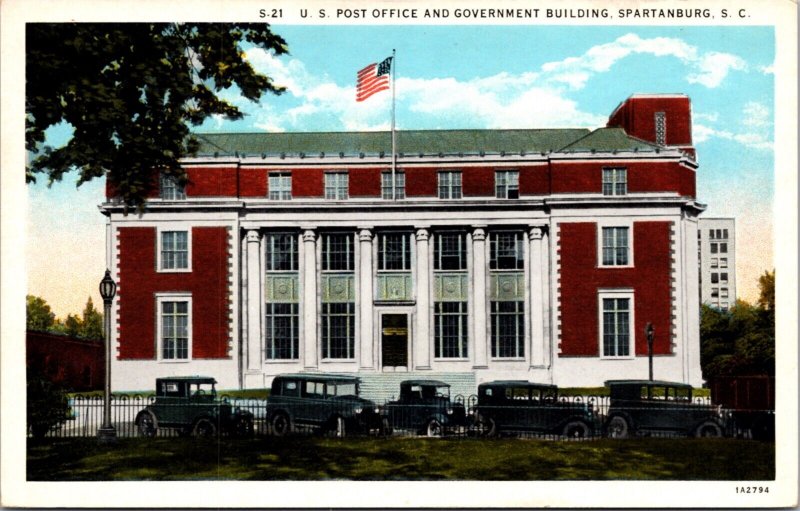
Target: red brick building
536,254
76,364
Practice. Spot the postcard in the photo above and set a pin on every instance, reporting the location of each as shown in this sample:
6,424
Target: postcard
448,253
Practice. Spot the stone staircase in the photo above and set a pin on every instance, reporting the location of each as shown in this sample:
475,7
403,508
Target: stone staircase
382,387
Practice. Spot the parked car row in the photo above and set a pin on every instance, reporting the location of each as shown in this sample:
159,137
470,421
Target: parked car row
332,405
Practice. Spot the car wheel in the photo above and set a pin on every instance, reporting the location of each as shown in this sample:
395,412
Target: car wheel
204,428
146,424
281,425
576,429
708,429
243,427
617,427
434,428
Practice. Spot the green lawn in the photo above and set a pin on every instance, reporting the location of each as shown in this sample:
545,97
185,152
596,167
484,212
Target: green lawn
301,458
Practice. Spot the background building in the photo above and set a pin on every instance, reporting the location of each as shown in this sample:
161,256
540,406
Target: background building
489,254
717,252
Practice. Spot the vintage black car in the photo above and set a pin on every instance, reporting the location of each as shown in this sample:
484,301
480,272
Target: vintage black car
189,405
327,403
639,407
514,406
424,406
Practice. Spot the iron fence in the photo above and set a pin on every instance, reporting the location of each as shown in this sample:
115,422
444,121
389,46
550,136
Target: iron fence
462,417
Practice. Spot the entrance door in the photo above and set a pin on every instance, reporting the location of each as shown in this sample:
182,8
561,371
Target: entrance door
394,340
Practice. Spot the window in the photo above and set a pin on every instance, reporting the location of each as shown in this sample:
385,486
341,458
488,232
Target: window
450,329
723,262
713,262
174,327
714,292
714,248
506,184
661,128
281,252
450,251
615,181
170,189
174,250
723,292
712,234
508,329
723,306
337,252
399,185
450,185
281,325
394,251
615,246
506,251
338,330
280,185
336,185
715,278
724,233
723,278
723,248
616,326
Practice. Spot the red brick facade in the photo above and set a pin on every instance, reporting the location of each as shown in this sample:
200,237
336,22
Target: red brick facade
208,283
581,278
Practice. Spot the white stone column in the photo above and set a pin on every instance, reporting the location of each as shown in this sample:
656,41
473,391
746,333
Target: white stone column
422,340
310,316
480,359
365,296
538,297
254,301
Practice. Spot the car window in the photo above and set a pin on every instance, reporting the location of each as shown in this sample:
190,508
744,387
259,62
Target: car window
170,389
342,389
290,388
315,389
683,394
517,393
443,391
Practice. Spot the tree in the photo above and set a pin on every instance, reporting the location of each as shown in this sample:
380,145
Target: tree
740,341
92,322
131,91
39,315
72,325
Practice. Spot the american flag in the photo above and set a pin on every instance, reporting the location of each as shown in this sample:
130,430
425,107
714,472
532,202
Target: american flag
373,78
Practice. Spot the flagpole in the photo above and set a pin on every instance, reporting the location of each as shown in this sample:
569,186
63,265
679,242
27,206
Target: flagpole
394,151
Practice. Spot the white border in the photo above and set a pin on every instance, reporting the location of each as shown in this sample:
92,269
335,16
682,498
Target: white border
172,297
177,227
617,293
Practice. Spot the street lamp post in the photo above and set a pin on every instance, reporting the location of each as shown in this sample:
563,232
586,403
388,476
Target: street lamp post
108,288
650,332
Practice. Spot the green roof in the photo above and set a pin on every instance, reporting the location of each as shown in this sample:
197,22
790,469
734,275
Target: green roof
375,142
608,140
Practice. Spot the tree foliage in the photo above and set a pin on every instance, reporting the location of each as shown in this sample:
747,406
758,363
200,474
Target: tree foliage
131,92
89,325
740,341
39,316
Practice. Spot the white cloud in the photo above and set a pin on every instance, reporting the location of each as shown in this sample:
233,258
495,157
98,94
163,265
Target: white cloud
756,115
708,69
712,68
767,70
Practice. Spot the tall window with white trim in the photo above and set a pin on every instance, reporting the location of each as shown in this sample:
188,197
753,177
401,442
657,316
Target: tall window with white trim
449,184
336,185
616,327
281,310
174,250
615,181
280,185
615,246
507,293
174,329
399,185
506,184
169,189
338,315
450,305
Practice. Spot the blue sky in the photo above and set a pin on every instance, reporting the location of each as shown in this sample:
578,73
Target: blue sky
482,77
